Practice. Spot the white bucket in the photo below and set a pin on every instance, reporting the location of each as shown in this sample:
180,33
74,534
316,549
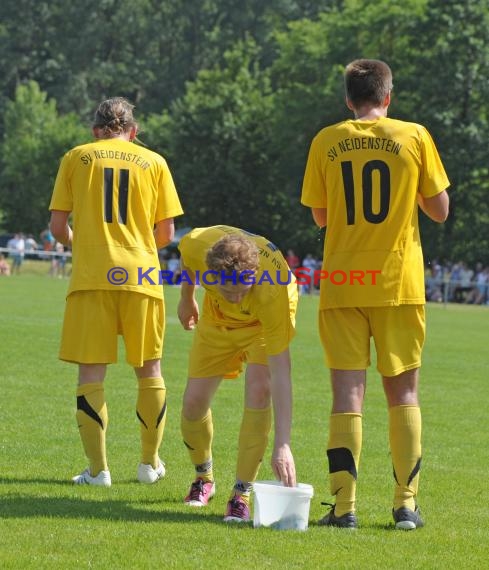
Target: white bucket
279,507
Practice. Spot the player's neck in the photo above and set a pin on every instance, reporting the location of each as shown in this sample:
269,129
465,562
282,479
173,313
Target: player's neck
370,114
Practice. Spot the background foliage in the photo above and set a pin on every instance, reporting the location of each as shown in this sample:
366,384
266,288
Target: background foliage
231,92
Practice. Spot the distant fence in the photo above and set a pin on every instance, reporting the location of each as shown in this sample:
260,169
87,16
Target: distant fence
36,253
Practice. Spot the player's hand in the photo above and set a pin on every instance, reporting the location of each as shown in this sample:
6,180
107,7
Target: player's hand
283,465
188,313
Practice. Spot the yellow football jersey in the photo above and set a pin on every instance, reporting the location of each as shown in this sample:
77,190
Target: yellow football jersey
368,175
271,301
117,191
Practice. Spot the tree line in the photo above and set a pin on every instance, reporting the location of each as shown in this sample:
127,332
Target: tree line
232,92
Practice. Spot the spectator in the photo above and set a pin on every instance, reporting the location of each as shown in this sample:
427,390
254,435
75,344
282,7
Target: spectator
292,259
17,249
310,264
163,258
464,284
48,241
31,244
477,296
58,261
433,289
173,265
4,266
435,275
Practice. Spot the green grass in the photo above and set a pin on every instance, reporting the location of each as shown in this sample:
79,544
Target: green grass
45,522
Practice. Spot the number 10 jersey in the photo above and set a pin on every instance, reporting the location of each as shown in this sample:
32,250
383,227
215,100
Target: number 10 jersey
368,174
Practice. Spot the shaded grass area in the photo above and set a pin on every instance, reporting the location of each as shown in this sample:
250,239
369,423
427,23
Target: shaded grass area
45,522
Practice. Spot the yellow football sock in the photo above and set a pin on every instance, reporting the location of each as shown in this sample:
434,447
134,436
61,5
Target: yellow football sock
151,412
405,444
92,418
344,448
197,437
253,440
245,496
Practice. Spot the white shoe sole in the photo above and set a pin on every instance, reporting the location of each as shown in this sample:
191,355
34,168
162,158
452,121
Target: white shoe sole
236,520
197,504
148,475
101,480
405,525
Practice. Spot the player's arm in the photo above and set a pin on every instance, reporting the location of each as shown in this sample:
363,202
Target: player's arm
435,207
314,192
188,308
60,228
164,232
319,216
281,386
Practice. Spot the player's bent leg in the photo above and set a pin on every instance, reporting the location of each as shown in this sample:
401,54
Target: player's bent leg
197,431
253,440
197,437
198,396
257,386
256,425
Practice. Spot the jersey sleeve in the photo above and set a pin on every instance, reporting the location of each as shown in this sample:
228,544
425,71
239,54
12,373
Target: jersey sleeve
314,186
62,198
168,205
192,252
183,248
277,322
433,178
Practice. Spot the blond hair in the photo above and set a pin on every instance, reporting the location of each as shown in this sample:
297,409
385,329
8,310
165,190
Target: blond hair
233,253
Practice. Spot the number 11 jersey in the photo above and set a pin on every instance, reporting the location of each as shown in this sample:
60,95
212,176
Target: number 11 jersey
117,191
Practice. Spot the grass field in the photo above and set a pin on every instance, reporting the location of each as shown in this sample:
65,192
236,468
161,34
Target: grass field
45,522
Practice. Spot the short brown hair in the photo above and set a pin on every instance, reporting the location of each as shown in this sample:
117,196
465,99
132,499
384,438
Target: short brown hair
233,253
367,81
114,116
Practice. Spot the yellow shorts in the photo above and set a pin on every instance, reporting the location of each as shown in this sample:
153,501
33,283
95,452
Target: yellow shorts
221,351
94,319
398,333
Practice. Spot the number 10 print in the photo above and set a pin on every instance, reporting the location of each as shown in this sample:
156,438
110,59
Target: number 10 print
367,189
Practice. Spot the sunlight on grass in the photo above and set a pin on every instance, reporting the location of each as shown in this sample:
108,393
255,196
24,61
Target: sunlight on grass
45,522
